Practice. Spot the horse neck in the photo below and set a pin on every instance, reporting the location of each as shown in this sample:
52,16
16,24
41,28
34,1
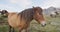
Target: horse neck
27,15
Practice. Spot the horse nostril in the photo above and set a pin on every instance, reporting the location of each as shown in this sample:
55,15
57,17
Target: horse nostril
43,25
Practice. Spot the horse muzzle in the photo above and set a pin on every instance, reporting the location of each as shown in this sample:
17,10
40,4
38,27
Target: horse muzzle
43,23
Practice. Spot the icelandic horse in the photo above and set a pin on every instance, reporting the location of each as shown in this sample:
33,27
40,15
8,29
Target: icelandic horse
22,20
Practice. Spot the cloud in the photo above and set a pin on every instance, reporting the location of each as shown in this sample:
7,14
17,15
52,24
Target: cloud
57,3
48,3
13,1
21,3
8,8
15,5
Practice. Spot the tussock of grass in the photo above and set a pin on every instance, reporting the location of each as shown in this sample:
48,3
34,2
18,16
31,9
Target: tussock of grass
53,25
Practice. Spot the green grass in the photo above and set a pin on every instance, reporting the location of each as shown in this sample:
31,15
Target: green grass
53,25
3,28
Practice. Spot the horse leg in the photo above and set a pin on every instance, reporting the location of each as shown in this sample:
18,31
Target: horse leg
13,30
10,28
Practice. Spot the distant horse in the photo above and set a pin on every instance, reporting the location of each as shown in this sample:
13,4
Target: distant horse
22,20
54,14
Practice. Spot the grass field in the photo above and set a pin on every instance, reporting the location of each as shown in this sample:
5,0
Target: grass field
53,25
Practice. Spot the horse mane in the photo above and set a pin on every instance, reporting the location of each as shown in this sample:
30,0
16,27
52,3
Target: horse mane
27,14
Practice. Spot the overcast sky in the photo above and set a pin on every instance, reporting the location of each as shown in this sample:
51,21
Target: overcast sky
20,5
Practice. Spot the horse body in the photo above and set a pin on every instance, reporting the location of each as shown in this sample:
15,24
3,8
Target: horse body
22,20
14,19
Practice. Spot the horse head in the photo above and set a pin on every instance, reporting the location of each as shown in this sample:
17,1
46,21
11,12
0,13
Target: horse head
38,15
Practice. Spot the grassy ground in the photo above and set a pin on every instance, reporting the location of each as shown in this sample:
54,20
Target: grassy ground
53,25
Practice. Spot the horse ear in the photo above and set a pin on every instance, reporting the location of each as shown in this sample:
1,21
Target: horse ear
34,8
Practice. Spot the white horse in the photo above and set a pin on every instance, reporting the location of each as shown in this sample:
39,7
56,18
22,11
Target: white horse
54,14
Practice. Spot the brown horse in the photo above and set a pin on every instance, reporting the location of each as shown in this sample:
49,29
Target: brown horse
22,20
